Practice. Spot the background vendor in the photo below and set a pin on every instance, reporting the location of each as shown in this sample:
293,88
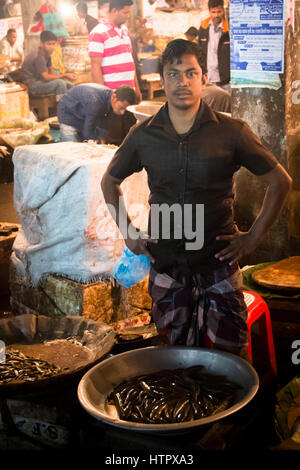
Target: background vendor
37,71
10,47
85,112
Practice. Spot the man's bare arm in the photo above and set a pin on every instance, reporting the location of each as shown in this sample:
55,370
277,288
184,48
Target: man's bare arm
114,199
49,76
242,243
279,184
96,70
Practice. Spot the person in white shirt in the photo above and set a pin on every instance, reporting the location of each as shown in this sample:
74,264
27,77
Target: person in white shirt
10,47
214,41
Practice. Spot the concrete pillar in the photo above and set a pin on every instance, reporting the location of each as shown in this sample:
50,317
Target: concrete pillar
274,115
29,7
292,124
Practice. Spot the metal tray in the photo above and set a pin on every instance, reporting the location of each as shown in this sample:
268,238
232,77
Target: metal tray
98,337
283,275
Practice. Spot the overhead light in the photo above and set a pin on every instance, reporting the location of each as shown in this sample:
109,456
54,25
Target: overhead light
66,9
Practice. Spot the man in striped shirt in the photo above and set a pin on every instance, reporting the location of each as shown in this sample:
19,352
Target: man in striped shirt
110,49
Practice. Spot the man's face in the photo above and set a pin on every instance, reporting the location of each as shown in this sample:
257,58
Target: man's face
217,14
12,37
121,16
48,46
183,82
119,107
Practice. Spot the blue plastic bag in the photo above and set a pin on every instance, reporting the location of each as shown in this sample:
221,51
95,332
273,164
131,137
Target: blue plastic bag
131,269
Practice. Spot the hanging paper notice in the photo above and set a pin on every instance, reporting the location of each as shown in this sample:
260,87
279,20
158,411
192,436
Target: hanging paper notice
257,35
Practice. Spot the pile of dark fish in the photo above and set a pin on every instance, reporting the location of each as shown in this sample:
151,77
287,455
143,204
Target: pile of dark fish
172,396
17,366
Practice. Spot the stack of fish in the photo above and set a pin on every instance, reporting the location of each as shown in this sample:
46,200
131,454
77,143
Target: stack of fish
17,366
172,396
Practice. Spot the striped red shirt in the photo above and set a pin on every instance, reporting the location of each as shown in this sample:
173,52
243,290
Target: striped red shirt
113,45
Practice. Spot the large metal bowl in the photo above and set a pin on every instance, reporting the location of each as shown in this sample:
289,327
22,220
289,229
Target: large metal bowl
99,381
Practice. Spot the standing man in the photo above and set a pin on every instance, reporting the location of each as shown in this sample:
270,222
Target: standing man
37,72
191,153
9,46
82,12
84,112
213,39
110,49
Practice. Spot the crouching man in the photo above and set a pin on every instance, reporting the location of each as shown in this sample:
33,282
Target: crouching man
88,111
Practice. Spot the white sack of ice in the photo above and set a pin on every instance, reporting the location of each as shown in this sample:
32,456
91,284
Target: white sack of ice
66,227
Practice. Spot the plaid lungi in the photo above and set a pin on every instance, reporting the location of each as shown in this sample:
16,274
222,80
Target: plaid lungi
205,310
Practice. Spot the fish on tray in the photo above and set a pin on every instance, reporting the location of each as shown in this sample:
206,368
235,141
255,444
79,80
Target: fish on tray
18,366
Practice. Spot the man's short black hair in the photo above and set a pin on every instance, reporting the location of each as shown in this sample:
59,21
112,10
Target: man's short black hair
176,49
125,93
47,36
82,7
215,3
10,31
192,31
119,4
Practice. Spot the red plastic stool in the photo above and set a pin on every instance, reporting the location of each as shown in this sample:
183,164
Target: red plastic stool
261,345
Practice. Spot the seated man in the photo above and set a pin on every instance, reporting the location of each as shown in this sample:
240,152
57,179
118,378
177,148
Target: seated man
9,47
88,112
37,72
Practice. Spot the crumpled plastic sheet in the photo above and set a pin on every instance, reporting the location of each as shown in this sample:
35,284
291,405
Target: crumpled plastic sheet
31,131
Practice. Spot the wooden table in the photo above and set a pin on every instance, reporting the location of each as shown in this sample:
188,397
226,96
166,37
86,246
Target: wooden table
151,83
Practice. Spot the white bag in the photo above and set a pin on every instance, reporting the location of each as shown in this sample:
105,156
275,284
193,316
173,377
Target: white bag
66,227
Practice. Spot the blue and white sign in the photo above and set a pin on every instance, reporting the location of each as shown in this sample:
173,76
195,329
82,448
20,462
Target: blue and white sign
257,35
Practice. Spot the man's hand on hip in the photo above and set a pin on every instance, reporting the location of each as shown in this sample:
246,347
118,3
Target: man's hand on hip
139,246
239,245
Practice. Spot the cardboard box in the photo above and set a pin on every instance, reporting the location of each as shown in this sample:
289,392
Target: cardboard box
102,301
